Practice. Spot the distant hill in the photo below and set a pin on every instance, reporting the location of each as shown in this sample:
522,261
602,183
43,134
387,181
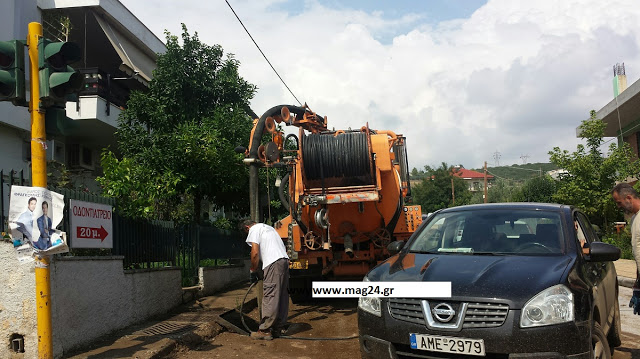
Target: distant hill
520,172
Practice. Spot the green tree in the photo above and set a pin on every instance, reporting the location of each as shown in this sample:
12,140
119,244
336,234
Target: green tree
434,192
538,189
417,174
502,191
177,139
590,175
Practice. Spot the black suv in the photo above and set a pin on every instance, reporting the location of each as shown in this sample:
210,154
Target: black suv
528,280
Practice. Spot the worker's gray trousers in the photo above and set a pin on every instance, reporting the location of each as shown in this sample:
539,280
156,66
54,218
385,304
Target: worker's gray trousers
275,297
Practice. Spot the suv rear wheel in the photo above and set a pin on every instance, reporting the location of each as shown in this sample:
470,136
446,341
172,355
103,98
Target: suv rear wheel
599,343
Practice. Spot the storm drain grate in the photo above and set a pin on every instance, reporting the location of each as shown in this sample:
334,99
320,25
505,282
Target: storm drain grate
169,328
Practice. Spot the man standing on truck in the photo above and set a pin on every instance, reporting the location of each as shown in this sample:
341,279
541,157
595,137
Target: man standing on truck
626,198
268,247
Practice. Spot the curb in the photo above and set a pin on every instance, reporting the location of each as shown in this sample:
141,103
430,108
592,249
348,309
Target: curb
190,339
626,282
164,349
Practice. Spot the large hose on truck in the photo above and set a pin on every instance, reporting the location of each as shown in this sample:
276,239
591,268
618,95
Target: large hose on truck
285,336
346,155
253,154
283,198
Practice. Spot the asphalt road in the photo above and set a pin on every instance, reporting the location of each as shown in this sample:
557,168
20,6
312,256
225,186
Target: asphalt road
337,317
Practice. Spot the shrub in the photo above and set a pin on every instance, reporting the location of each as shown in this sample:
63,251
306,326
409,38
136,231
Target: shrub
622,241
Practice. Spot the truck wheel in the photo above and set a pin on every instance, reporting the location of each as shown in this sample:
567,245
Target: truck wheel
599,343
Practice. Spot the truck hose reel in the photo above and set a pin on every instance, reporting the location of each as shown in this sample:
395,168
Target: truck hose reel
346,158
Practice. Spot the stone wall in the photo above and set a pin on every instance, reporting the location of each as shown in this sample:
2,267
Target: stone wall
90,297
215,279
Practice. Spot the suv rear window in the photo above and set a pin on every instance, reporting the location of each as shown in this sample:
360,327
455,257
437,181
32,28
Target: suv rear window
510,231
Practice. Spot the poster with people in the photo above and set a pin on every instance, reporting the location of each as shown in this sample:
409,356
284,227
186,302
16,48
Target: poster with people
34,214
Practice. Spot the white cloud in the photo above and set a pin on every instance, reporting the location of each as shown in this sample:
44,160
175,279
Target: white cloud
516,77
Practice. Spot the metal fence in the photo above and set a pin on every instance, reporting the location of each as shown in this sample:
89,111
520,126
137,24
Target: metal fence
143,243
8,179
222,246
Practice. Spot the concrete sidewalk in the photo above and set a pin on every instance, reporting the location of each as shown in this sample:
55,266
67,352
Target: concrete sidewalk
188,325
626,270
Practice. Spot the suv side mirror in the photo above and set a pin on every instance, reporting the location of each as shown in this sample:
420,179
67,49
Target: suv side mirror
395,247
603,252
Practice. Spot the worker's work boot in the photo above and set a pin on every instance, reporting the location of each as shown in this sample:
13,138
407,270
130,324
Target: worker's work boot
279,331
261,335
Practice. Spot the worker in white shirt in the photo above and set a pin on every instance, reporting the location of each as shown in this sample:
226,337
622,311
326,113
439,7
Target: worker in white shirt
268,247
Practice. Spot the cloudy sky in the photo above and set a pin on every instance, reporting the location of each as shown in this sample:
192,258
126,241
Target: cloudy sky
461,79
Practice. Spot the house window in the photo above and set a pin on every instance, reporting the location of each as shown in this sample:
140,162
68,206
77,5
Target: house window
26,151
81,156
87,157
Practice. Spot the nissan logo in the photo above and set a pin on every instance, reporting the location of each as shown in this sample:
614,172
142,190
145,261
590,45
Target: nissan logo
443,312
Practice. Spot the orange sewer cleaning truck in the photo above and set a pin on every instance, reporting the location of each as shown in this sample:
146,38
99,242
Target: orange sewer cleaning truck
347,192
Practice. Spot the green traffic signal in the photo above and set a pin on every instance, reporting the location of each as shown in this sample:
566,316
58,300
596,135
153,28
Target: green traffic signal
12,72
57,78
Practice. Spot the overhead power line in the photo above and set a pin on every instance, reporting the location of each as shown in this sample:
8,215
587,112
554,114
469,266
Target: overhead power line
504,178
523,169
263,55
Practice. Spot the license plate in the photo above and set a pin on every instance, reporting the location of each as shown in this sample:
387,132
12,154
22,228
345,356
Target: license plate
299,264
436,343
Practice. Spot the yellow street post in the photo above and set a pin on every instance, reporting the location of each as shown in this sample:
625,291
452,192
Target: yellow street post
39,179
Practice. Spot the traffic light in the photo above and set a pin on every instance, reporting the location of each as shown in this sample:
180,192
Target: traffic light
57,78
12,72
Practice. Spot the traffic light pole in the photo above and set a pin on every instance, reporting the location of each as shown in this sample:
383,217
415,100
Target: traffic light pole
39,179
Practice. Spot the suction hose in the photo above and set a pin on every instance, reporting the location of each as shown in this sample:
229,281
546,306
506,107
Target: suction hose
283,198
284,336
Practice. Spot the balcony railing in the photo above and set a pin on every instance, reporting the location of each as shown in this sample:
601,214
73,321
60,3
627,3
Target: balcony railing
100,83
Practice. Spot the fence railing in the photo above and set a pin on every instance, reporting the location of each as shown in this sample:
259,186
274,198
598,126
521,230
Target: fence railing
219,245
188,244
144,244
8,179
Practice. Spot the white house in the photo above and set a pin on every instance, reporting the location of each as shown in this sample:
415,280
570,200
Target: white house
119,55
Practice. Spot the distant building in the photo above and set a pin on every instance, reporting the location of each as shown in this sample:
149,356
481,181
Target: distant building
622,113
473,179
555,174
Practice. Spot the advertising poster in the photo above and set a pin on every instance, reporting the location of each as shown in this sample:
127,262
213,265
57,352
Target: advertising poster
34,214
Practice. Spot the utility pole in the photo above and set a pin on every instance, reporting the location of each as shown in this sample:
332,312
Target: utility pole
51,81
486,198
39,179
453,192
